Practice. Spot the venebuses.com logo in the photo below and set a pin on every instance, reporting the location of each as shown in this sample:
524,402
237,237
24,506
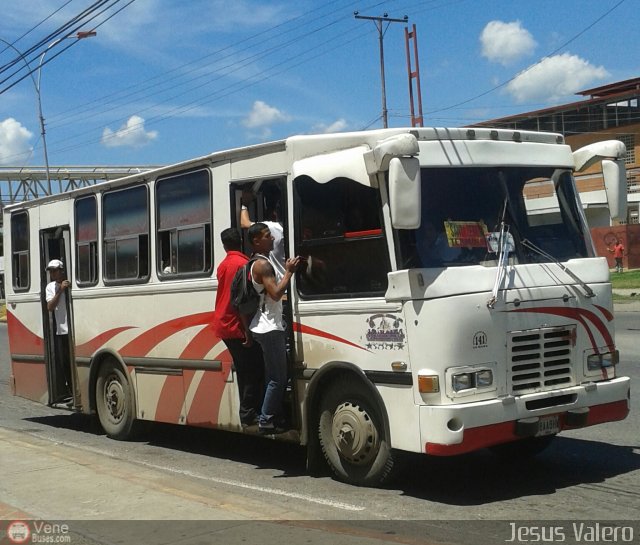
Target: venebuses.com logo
20,531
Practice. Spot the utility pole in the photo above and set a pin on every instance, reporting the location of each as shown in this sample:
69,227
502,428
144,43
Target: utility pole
379,22
81,35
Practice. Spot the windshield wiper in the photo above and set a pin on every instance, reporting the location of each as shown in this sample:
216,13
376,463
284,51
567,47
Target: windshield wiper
528,244
503,258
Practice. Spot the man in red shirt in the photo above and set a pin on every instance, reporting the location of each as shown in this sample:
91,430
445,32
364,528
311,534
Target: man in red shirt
618,253
246,354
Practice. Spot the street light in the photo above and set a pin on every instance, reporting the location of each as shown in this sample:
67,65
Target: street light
77,36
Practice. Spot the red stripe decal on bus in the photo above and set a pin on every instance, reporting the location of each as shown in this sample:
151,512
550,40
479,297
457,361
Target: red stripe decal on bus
170,400
607,314
201,344
21,339
205,405
90,347
578,315
144,343
307,330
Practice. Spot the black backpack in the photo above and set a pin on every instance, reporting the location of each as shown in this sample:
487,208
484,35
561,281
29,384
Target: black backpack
244,297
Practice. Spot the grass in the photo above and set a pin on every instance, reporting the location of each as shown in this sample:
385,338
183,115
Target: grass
3,311
626,279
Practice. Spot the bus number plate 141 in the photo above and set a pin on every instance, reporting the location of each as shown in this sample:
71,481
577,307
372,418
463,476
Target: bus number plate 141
548,425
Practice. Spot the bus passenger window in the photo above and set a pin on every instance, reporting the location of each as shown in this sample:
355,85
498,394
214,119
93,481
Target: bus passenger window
20,251
339,230
184,225
86,241
126,234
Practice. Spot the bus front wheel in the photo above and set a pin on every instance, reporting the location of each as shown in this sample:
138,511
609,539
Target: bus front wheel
353,436
114,401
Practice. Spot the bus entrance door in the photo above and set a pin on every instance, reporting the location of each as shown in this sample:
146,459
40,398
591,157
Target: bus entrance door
59,345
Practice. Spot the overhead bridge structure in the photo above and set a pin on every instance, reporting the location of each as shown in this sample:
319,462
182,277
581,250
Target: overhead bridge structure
19,184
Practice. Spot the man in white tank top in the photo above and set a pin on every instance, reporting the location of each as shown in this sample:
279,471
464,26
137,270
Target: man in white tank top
276,255
267,326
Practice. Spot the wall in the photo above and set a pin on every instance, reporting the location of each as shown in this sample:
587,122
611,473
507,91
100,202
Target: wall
603,238
598,217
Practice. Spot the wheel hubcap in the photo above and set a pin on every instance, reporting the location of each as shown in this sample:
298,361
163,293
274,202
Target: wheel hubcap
354,433
114,399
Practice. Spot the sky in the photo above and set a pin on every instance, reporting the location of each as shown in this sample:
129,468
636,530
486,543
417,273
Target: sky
168,80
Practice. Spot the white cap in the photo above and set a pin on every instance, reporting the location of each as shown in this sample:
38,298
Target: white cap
55,264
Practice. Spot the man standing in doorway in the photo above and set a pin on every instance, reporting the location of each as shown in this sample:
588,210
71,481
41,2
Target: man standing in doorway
246,354
273,222
267,325
56,297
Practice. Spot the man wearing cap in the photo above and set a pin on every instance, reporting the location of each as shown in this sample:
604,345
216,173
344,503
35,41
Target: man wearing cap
56,296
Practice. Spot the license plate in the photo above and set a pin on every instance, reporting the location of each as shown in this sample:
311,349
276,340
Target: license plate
548,425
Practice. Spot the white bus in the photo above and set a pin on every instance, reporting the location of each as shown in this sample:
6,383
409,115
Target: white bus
452,299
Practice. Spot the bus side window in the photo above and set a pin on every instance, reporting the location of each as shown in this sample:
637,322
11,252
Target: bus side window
184,225
20,251
339,231
126,234
86,241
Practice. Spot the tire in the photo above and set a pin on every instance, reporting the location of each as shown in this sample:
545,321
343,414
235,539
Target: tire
352,434
114,401
523,449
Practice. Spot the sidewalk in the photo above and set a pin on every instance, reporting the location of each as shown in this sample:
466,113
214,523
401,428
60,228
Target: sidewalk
627,306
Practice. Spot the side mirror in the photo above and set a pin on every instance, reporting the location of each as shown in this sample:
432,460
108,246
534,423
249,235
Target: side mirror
404,192
615,187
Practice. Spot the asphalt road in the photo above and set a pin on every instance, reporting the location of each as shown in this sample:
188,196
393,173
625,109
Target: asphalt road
58,465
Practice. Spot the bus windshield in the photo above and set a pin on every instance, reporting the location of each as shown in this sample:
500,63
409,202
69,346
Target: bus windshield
464,208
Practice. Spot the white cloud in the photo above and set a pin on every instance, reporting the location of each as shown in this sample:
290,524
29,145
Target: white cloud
132,134
555,78
14,142
337,126
506,43
263,115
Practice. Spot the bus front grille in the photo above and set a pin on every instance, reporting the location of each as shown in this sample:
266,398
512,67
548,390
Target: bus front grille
540,359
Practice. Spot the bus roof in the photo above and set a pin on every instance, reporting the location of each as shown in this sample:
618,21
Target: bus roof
302,146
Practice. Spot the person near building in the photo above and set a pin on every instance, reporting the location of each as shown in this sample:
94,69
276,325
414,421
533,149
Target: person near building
246,354
618,254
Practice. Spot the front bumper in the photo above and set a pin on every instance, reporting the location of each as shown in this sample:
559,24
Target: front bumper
455,429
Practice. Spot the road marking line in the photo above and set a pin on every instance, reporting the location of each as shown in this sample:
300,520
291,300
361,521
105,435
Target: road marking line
228,482
267,490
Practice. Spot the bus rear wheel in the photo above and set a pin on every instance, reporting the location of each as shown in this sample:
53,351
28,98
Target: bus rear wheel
114,401
352,435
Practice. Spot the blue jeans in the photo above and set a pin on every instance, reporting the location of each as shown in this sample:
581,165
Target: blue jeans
274,352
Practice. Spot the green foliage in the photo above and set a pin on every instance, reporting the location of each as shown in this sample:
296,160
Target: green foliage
626,279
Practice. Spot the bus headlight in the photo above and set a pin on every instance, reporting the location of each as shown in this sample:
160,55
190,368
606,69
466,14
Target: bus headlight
484,378
595,362
468,380
462,381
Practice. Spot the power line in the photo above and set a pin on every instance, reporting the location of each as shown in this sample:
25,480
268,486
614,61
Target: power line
82,22
224,71
64,30
145,84
224,92
36,26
